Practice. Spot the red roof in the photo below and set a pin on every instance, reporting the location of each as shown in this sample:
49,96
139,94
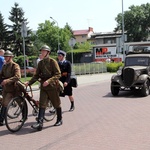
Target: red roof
80,32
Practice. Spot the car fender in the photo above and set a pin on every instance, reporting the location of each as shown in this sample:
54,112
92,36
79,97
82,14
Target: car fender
117,78
143,77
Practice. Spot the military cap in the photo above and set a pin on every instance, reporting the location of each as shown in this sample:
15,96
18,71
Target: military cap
2,50
45,47
8,53
60,52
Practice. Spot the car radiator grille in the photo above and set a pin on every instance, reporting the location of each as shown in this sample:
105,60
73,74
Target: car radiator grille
128,76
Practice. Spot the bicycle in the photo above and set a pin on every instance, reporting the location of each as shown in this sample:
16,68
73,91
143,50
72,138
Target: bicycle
17,109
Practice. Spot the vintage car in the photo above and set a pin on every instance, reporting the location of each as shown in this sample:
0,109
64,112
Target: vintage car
135,75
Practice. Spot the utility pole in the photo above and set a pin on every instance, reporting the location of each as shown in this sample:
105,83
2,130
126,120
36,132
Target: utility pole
24,34
58,31
123,38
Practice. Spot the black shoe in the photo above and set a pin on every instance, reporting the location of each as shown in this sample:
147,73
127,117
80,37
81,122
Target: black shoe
37,126
58,123
72,108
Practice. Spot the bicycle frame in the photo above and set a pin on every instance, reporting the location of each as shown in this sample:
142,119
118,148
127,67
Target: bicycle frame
16,115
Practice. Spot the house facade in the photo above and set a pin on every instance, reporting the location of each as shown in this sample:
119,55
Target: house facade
104,37
82,36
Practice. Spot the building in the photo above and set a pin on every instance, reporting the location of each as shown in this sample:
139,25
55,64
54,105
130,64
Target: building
82,36
104,37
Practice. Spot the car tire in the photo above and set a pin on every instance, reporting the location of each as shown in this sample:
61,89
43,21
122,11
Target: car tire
145,88
114,90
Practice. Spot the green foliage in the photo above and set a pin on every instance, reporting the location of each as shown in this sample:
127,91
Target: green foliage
3,33
49,34
113,67
68,28
30,59
136,22
17,18
85,46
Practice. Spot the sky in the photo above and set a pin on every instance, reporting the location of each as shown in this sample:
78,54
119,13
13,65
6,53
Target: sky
79,14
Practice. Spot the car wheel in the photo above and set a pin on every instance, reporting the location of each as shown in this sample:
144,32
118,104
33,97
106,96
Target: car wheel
145,88
114,90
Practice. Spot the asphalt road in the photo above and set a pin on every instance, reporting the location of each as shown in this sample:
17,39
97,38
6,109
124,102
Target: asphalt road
99,122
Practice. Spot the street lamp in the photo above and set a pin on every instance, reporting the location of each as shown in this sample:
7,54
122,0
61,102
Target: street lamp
123,38
58,30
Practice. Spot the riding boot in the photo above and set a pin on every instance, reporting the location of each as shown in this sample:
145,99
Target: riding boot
59,117
2,115
72,106
39,124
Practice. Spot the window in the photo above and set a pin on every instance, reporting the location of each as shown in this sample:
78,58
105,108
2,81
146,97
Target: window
83,36
137,61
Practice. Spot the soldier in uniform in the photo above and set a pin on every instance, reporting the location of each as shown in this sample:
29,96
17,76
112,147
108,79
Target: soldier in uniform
65,67
9,75
49,73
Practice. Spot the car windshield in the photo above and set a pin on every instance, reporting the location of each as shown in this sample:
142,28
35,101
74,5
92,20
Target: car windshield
137,61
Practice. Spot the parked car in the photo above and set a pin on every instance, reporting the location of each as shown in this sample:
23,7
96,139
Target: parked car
29,70
135,75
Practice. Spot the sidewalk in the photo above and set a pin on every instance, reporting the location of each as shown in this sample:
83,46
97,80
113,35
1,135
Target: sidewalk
88,79
91,78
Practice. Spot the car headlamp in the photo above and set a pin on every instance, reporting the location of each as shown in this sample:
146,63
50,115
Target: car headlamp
138,72
119,72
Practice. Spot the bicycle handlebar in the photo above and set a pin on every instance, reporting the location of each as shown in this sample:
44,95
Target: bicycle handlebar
27,87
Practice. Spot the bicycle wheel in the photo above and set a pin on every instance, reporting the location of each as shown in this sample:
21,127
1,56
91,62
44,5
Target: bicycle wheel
50,112
16,114
12,107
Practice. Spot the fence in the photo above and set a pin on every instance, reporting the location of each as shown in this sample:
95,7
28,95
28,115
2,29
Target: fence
89,68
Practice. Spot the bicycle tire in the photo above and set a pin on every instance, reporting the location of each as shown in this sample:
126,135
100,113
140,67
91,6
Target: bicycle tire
49,116
17,113
12,106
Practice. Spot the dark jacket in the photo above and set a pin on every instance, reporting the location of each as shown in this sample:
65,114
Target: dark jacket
65,68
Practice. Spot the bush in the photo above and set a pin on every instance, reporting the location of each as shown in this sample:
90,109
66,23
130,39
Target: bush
113,67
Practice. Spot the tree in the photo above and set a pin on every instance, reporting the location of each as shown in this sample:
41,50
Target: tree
3,33
136,22
48,33
67,27
37,43
17,17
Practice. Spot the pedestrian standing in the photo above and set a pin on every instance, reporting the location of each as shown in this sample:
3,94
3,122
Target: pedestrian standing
2,60
65,67
49,73
9,75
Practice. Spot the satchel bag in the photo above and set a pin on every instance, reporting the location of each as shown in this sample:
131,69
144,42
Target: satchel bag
73,81
61,86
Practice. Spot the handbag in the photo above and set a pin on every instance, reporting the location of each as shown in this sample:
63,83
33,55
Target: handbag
73,81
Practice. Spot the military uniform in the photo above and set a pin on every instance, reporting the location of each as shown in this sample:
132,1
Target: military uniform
10,74
48,70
